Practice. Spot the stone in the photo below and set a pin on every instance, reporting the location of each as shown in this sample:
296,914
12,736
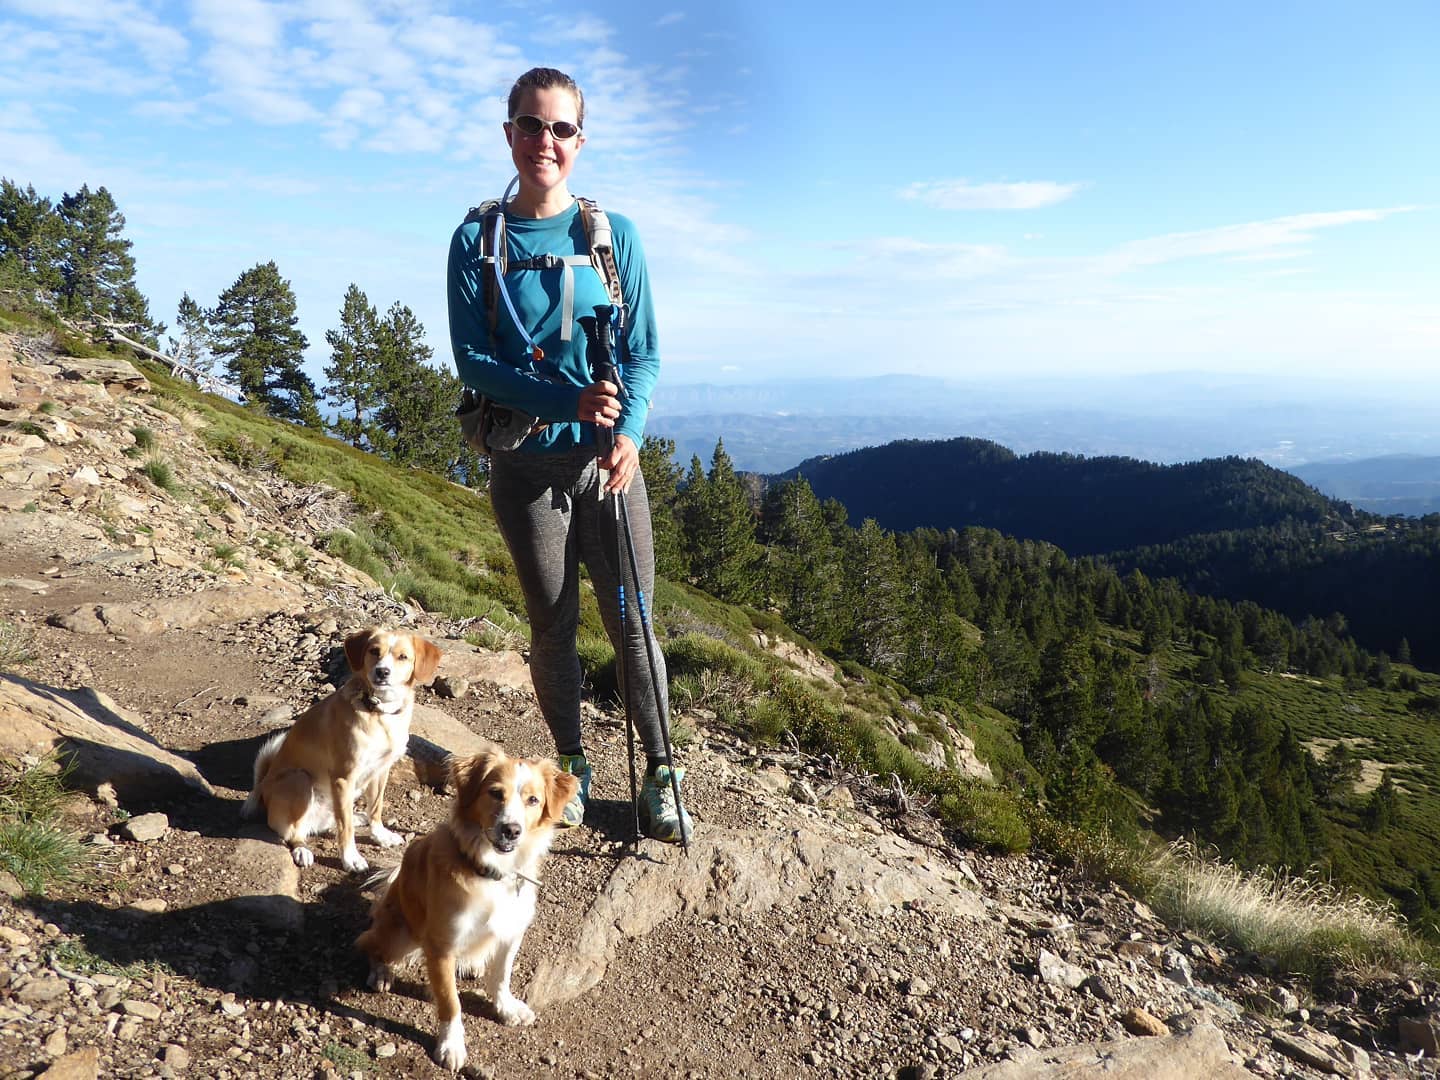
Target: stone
176,1056
1139,1022
144,828
145,1010
461,660
107,743
1198,1053
451,686
1298,1048
80,1065
1058,972
1419,1034
40,991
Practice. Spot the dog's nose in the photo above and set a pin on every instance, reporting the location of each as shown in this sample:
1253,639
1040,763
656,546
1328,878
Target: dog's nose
510,830
380,674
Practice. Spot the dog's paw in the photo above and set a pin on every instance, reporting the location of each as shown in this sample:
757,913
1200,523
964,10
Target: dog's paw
512,1011
381,978
303,856
450,1046
353,861
385,837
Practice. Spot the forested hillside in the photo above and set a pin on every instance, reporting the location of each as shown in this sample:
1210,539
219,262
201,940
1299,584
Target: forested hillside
1084,505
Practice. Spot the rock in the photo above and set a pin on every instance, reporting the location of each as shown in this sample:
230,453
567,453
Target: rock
1033,1036
915,986
81,1065
144,828
107,744
176,1056
1139,1022
451,686
1101,988
434,737
151,905
40,991
1198,1053
461,660
803,793
1298,1048
1419,1035
145,1010
10,885
229,603
734,873
266,882
1058,972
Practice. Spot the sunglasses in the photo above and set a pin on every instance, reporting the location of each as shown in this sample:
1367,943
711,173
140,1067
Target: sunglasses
560,130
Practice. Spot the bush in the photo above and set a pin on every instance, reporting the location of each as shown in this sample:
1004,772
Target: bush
33,846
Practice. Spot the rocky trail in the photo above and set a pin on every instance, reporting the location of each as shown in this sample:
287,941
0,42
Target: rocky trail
814,928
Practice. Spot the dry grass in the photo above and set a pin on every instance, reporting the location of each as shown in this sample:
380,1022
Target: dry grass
1300,924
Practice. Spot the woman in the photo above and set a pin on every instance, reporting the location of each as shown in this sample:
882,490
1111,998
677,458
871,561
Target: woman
548,493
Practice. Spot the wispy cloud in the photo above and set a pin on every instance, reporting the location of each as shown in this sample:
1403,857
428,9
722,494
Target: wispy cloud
1250,238
670,18
963,195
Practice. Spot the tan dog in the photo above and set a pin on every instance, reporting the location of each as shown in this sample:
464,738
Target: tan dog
464,895
341,749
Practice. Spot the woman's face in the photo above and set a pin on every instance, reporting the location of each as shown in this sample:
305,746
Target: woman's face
543,161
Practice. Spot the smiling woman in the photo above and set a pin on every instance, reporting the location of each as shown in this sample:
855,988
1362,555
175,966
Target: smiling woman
520,272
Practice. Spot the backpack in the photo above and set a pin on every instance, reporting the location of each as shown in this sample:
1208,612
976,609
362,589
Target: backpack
486,425
493,253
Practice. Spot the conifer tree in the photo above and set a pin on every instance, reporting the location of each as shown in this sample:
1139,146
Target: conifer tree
29,239
192,347
254,332
719,525
96,269
802,565
415,423
662,488
354,369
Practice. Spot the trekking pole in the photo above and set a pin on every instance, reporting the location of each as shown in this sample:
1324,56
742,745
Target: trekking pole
602,366
601,356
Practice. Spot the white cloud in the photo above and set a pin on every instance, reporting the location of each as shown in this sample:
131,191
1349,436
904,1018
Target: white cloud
963,195
670,18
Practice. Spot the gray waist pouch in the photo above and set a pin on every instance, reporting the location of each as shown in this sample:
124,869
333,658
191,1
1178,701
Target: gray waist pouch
492,428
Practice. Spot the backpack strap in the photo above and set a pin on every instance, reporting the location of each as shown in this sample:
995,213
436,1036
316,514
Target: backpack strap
598,235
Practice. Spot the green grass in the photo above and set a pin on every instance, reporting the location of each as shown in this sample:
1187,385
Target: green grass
17,646
72,955
347,1059
33,845
160,473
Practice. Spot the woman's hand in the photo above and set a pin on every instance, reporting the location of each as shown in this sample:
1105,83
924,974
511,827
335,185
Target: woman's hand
623,463
599,404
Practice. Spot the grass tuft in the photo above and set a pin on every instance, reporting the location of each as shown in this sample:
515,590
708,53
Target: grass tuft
1300,924
33,846
144,437
16,646
160,474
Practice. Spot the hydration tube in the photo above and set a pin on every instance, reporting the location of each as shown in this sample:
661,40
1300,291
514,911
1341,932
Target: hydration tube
496,239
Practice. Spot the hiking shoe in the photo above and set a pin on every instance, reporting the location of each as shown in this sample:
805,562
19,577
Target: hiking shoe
574,812
658,816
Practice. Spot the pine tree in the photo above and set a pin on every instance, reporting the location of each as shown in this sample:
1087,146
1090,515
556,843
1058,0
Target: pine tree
96,268
29,239
719,529
802,565
354,369
254,331
662,488
192,347
415,423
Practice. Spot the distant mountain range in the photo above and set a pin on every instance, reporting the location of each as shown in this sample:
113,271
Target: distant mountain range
1393,484
772,426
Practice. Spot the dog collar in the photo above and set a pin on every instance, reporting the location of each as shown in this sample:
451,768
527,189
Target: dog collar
373,704
489,872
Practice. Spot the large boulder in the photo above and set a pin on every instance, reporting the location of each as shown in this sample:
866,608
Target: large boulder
1200,1052
104,742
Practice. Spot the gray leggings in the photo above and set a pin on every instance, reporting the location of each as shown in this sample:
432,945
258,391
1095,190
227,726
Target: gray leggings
547,508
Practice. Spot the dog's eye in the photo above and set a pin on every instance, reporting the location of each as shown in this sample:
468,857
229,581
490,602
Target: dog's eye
498,794
533,800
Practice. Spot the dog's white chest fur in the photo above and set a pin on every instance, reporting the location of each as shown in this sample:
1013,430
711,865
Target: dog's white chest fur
499,912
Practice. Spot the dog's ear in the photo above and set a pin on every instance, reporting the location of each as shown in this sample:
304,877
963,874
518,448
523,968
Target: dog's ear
467,770
560,788
427,658
356,645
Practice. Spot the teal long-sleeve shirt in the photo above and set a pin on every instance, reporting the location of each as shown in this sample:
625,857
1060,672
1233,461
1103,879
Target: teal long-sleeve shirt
505,373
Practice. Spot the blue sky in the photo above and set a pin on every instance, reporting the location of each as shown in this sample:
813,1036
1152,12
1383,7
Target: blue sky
843,188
